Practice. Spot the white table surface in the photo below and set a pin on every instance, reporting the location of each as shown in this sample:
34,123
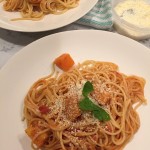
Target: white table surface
12,42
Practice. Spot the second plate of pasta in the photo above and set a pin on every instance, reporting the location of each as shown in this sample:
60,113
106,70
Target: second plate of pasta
41,15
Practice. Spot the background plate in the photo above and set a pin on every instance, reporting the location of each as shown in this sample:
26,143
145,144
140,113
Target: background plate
49,22
34,61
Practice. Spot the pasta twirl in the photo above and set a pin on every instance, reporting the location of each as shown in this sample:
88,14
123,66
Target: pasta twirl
54,120
37,9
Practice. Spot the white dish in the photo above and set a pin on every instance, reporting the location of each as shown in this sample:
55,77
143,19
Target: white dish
125,28
34,61
49,22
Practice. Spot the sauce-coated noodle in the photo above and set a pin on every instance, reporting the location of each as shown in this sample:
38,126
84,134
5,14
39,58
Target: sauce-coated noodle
37,9
55,122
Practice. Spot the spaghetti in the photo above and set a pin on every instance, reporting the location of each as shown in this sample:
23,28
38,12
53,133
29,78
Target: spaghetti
37,9
55,121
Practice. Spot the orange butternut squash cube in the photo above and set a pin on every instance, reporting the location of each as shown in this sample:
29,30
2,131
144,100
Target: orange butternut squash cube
64,62
40,140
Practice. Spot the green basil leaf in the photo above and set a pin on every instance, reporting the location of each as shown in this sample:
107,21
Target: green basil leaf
86,104
101,114
97,115
88,87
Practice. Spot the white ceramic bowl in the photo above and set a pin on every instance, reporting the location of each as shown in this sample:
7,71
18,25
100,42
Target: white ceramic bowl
125,28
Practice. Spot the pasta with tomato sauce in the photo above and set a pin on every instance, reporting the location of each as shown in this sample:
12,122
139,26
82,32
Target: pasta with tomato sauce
37,9
91,106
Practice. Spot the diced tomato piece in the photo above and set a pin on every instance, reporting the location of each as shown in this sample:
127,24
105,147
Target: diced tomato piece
44,109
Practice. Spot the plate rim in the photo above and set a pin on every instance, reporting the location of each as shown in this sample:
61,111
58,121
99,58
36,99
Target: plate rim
66,32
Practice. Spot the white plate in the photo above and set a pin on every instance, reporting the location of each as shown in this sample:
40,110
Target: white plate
34,61
49,22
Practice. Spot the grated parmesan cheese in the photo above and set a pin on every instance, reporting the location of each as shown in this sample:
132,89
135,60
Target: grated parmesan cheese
136,12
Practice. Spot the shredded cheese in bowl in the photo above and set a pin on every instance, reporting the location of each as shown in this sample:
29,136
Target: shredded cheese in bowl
132,18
